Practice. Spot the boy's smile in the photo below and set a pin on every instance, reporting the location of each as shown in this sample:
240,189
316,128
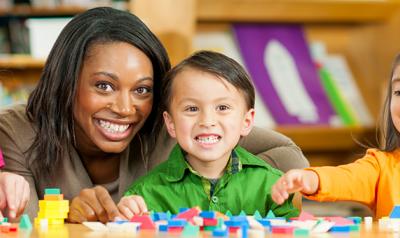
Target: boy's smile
207,116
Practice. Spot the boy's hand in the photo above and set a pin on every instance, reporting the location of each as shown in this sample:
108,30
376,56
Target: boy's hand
14,194
93,204
295,180
132,205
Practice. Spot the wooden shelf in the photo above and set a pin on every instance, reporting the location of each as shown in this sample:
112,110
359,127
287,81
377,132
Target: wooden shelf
21,62
323,138
25,10
296,10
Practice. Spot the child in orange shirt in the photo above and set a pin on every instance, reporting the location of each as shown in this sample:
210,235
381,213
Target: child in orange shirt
373,180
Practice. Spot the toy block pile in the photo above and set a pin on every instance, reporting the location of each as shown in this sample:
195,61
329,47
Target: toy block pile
391,223
53,209
6,227
190,221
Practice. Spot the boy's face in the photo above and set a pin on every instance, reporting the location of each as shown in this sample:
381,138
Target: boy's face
207,115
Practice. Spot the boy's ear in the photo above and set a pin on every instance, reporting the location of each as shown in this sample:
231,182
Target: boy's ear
248,122
169,124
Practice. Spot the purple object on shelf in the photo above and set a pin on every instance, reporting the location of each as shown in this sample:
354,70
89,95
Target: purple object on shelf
252,41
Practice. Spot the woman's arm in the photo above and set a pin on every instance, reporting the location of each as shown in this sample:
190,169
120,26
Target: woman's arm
22,188
276,149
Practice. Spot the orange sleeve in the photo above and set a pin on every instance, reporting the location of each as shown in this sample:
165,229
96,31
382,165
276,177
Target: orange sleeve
355,181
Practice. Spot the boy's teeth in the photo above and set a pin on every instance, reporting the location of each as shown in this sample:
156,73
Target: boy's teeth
112,127
208,139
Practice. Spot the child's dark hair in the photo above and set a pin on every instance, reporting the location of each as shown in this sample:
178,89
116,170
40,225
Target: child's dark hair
388,133
213,63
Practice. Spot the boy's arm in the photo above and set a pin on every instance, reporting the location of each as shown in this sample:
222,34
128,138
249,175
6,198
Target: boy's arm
276,149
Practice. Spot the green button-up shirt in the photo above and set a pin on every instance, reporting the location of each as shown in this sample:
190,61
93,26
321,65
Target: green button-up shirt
245,185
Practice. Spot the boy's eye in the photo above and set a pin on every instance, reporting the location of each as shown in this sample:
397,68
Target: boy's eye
222,107
104,86
191,109
143,90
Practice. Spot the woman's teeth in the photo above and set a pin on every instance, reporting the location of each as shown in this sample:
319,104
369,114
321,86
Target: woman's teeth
112,127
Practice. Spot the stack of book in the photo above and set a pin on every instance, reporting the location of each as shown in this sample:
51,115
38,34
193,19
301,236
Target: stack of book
297,82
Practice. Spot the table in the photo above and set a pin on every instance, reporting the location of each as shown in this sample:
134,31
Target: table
80,231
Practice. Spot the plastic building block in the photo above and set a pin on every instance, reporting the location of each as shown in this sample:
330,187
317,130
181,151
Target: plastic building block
25,222
54,197
169,215
301,232
207,214
163,228
356,220
257,215
340,229
210,222
283,229
270,214
146,222
188,214
395,213
304,216
52,191
177,223
190,231
228,213
220,233
242,213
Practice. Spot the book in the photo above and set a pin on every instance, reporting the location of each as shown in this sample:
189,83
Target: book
222,41
343,83
278,58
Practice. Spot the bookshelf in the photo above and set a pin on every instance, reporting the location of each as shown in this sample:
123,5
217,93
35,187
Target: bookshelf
364,31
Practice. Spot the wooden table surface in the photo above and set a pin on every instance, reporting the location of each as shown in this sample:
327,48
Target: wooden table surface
77,231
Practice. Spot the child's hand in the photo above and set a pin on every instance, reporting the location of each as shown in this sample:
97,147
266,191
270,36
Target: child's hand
295,180
14,194
132,205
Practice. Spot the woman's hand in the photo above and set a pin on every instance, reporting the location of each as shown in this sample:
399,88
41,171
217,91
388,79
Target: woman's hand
93,204
132,205
295,180
14,194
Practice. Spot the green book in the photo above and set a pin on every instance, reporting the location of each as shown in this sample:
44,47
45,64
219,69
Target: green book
340,105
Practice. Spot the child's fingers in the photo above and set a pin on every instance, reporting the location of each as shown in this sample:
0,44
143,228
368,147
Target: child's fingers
278,191
141,204
125,211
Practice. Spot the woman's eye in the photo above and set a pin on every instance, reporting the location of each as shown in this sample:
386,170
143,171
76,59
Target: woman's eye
105,87
143,90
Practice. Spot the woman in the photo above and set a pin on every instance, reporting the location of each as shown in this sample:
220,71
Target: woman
90,125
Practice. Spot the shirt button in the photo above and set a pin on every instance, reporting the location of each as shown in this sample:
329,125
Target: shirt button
214,199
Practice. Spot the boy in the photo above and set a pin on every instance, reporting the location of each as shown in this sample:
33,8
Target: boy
209,101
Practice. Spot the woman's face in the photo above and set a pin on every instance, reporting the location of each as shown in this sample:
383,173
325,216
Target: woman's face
114,97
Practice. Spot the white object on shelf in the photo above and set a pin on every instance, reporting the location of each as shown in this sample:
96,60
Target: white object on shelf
43,32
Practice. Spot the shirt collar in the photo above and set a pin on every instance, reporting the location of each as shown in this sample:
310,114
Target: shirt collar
177,164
